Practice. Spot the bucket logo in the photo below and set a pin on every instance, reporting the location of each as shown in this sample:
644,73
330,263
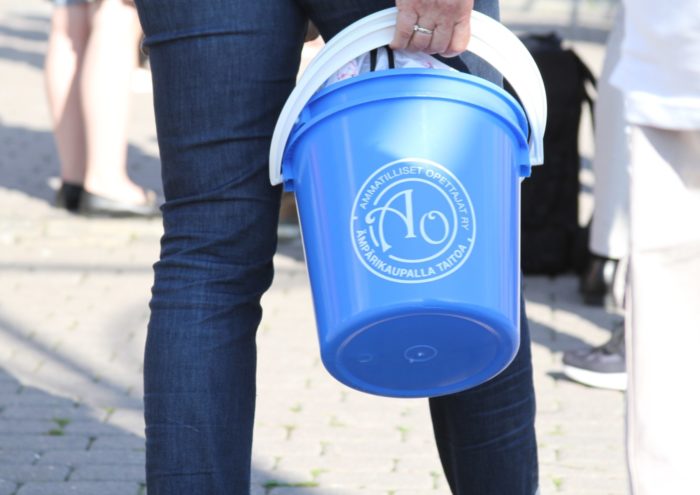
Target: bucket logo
413,222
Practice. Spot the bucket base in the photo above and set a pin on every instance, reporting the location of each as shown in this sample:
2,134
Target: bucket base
423,354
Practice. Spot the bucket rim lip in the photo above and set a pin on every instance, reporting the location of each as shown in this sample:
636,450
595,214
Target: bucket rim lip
521,127
490,40
495,89
438,73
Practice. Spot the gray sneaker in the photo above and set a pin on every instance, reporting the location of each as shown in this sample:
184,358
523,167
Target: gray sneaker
600,367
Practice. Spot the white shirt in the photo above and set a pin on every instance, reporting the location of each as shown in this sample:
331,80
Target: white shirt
659,68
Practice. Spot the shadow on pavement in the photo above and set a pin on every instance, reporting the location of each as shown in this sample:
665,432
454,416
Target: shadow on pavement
25,34
554,340
560,295
35,29
29,160
33,59
107,268
292,249
112,394
51,444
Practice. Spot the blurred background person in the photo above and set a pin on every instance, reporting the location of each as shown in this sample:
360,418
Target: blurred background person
92,52
603,283
659,76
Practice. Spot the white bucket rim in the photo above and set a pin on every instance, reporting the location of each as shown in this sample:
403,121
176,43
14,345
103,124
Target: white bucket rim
490,40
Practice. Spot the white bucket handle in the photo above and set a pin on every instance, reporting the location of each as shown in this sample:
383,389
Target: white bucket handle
490,40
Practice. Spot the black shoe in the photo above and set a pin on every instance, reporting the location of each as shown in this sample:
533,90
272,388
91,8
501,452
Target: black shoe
600,367
596,282
68,196
95,205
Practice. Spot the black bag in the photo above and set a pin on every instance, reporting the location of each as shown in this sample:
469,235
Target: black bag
552,240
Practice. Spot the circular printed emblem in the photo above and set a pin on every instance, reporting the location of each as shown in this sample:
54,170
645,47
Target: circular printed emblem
412,222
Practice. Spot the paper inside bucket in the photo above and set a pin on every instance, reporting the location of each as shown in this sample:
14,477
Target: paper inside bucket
402,60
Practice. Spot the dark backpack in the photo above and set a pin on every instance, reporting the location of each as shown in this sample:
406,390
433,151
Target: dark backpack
552,240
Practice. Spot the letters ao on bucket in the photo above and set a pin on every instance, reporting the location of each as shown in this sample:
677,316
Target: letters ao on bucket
423,245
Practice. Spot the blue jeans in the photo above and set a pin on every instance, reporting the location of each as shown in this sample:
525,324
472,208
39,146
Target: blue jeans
222,70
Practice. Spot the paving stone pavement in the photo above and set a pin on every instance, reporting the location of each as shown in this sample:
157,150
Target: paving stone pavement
73,312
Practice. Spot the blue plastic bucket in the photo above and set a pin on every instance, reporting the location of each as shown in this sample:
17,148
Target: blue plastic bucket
408,191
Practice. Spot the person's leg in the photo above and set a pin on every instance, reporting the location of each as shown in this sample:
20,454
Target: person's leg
70,28
603,281
110,59
221,73
486,435
609,227
663,398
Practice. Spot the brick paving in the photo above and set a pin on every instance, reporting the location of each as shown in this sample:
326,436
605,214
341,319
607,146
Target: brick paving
73,312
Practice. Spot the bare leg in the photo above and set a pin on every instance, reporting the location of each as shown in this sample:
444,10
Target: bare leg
70,29
110,59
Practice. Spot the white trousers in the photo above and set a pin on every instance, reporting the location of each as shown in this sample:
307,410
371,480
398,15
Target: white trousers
609,227
663,321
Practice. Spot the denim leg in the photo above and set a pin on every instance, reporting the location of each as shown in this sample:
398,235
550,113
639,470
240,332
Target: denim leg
486,435
331,16
222,71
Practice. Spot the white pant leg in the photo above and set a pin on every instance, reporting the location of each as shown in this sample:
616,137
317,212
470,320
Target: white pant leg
609,228
663,324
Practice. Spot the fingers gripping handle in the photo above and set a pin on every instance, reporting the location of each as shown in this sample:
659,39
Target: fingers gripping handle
490,40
